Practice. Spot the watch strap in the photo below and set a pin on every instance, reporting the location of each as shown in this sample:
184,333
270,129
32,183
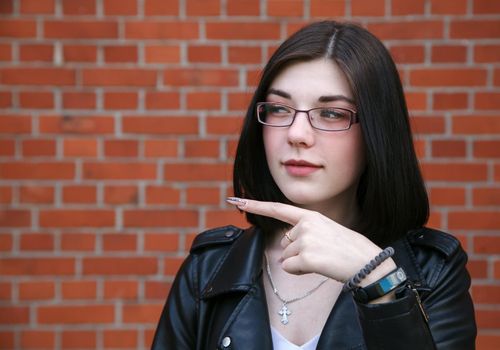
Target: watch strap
383,286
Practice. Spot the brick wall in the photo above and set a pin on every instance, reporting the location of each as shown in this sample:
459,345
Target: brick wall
118,125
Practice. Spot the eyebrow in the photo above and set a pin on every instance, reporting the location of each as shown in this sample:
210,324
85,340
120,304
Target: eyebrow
327,98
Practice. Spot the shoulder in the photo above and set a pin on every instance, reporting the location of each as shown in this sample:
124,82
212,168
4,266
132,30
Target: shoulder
434,241
216,238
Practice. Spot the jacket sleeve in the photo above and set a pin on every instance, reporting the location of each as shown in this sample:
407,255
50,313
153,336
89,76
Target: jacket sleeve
401,324
176,328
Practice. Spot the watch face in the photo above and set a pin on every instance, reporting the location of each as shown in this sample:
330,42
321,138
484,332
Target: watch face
400,274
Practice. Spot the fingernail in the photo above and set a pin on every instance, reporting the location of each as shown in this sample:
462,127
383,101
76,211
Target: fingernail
237,201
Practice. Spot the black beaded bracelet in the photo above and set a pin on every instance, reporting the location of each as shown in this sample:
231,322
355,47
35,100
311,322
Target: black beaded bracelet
355,280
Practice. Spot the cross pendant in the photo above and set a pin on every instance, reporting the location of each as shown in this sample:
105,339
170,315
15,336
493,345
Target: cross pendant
284,313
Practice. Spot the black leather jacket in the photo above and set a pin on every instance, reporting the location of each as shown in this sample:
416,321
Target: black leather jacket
218,300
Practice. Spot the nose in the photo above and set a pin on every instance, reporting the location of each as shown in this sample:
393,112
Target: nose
301,133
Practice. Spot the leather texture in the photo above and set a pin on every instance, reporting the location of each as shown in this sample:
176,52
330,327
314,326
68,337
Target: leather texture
217,300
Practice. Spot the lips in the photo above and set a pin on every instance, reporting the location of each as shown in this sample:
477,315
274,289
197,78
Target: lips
296,167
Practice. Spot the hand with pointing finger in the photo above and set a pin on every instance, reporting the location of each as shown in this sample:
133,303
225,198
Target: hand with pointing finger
318,244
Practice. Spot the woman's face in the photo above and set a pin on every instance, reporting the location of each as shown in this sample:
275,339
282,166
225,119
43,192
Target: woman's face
313,168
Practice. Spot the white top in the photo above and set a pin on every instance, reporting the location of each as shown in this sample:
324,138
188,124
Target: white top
281,343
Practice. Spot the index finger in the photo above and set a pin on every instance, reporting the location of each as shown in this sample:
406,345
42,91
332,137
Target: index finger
283,212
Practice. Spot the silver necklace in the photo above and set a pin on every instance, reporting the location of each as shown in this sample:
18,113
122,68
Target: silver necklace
284,311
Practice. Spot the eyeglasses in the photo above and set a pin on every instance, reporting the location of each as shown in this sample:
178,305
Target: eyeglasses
322,118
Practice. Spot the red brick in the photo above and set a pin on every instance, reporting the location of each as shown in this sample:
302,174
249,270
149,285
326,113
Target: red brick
5,52
327,8
5,99
37,171
403,7
202,148
204,53
38,148
448,148
367,7
14,315
407,30
121,148
448,77
78,242
15,124
80,29
496,77
243,8
78,100
214,218
38,52
420,148
161,242
74,124
5,292
239,100
289,8
253,77
455,171
37,242
449,53
36,194
118,77
244,54
5,191
474,29
243,30
161,7
445,196
78,339
121,195
475,124
37,76
203,195
121,100
203,7
416,100
163,100
156,290
36,290
487,244
80,53
83,194
119,266
449,7
486,7
487,318
172,266
143,313
452,100
76,314
76,218
37,339
408,53
468,220
18,28
427,125
486,196
477,268
161,30
37,266
6,7
201,77
120,54
120,338
119,171
36,7
160,148
80,7
231,149
487,341
162,195
120,7
119,242
6,242
160,125
487,149
487,53
197,172
77,147
121,290
160,218
78,289
487,100
203,100
162,54
33,99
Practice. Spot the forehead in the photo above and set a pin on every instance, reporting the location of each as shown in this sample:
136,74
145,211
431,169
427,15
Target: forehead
311,79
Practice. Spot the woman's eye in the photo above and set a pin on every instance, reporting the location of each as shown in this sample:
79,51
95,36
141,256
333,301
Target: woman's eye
278,110
333,114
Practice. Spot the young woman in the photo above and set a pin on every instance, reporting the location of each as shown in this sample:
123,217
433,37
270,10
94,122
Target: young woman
337,256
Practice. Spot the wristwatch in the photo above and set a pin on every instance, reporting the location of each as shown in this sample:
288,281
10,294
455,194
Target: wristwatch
381,287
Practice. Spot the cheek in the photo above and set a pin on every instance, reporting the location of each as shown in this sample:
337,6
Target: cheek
271,141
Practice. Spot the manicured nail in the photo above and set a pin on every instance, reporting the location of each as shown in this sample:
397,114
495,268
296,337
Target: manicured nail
236,201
